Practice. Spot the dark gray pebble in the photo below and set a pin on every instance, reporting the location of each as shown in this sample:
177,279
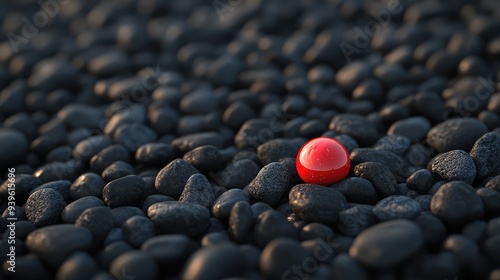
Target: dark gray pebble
123,213
205,158
456,203
454,165
260,207
420,181
224,204
387,244
357,190
485,153
55,244
397,165
458,133
137,230
198,191
241,221
98,220
107,156
274,264
79,266
170,250
14,146
314,203
491,200
189,142
271,183
79,115
238,174
432,227
275,150
44,207
217,262
124,191
396,207
88,184
132,136
393,143
155,154
173,177
315,231
73,210
354,220
379,175
89,147
134,264
349,143
356,126
178,217
414,128
272,224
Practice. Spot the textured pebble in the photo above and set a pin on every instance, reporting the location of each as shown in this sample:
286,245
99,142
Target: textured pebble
454,165
172,178
178,217
44,207
396,207
271,183
485,154
198,191
315,203
379,176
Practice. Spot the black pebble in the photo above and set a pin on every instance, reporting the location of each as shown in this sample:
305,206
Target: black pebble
124,191
379,175
170,250
173,177
456,203
314,203
205,158
134,264
354,220
219,262
198,191
98,220
73,210
238,174
55,244
107,156
240,221
485,154
44,207
270,184
459,133
454,165
178,217
88,184
420,181
79,266
155,154
396,207
137,230
394,241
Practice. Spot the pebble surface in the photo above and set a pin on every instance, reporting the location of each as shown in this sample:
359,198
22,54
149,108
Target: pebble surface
157,140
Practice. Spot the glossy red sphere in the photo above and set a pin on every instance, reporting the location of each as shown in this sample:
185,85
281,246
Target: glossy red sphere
323,161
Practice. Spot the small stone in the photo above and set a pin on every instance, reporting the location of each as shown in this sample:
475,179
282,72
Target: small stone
179,217
314,203
44,207
198,191
454,165
387,244
270,184
456,203
396,207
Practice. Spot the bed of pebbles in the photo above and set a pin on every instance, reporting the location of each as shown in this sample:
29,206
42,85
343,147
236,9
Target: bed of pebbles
157,139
